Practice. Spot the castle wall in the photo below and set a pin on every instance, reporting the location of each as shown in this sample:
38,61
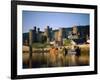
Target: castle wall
58,35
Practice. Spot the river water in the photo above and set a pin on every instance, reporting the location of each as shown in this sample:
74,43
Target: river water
43,60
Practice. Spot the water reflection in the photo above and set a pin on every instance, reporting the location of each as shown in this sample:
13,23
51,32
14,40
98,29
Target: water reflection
44,60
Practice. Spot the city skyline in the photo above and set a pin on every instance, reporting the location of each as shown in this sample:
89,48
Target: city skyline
53,19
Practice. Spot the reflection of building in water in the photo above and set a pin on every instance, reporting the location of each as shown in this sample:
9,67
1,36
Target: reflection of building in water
76,33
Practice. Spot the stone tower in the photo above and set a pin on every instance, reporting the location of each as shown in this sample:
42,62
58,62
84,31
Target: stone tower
47,33
60,38
38,35
75,30
30,37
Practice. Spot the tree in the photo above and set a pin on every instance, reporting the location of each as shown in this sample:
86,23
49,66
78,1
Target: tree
67,42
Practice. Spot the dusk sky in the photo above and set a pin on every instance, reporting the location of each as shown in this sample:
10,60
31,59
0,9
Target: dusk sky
53,19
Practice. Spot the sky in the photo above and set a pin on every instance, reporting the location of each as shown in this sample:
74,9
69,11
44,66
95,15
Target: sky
55,20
